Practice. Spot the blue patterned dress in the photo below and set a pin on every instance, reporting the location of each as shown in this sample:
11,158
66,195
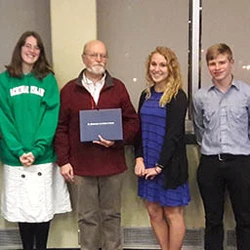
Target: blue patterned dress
153,122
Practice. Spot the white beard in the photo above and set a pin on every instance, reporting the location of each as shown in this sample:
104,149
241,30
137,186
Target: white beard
96,69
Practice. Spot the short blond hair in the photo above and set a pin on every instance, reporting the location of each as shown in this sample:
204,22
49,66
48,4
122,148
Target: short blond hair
217,49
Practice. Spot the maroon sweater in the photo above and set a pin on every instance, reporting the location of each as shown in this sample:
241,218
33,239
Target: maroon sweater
89,159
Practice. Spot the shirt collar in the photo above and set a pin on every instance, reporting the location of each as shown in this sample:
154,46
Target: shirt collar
235,85
87,81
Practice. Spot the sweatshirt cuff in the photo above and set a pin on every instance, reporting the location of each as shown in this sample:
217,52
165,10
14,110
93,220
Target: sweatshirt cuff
20,153
35,152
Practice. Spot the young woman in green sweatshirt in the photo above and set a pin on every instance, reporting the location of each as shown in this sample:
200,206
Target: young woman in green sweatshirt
29,106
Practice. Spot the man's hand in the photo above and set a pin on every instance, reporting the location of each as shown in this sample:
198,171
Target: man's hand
104,142
67,172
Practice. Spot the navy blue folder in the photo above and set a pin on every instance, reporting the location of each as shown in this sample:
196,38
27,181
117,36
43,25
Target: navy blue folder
104,122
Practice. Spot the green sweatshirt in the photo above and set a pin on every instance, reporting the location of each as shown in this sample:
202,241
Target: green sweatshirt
28,117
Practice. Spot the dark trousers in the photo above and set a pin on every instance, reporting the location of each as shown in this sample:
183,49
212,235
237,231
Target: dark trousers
214,176
34,233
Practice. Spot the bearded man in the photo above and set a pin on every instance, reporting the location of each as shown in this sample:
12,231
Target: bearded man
95,169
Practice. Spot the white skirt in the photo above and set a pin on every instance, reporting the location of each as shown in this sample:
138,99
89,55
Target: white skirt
34,194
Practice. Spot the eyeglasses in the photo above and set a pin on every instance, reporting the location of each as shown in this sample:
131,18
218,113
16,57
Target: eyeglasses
96,55
30,47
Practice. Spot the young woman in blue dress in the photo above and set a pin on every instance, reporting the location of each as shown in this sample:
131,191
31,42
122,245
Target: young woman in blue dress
161,161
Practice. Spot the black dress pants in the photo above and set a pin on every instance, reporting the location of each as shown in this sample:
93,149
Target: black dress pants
34,233
214,175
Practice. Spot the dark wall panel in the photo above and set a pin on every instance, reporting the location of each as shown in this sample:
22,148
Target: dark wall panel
18,16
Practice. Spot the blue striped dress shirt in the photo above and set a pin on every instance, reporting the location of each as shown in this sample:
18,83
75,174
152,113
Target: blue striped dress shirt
222,120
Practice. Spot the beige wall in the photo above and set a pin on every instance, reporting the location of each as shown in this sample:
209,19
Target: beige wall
73,23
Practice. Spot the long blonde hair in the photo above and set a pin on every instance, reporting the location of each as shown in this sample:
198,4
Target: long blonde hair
173,81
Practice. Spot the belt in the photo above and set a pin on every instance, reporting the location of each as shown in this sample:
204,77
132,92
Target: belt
224,157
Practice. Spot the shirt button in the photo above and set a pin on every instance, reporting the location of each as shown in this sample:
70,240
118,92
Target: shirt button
39,173
23,175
